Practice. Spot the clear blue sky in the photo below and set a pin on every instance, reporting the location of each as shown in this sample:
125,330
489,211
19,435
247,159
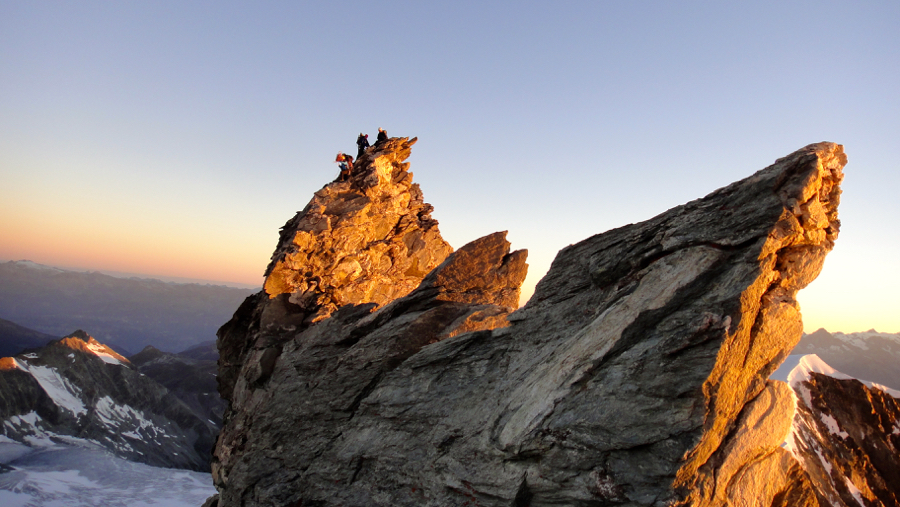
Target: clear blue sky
174,138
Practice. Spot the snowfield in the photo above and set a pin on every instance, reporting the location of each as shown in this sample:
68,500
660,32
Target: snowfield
796,369
63,476
103,352
58,388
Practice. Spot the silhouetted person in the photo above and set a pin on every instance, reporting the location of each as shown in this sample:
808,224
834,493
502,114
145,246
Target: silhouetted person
345,162
382,137
362,142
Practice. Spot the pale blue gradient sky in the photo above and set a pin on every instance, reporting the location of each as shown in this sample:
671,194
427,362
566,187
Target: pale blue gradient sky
174,138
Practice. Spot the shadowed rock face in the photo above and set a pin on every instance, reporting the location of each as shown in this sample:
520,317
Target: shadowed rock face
636,374
847,436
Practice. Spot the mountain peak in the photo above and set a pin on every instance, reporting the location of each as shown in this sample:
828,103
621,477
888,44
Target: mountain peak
81,341
8,363
368,239
80,335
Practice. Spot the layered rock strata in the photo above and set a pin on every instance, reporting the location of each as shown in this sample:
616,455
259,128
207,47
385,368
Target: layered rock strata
635,375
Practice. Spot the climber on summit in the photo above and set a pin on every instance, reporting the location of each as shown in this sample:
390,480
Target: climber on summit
345,162
362,142
382,137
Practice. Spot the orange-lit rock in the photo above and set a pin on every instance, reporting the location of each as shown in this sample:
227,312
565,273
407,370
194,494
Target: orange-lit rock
367,240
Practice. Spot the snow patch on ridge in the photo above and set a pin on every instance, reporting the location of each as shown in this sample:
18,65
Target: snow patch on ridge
857,494
120,417
112,413
27,421
833,427
60,390
102,352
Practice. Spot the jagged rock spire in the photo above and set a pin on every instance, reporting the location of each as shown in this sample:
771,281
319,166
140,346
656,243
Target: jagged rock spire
365,241
370,239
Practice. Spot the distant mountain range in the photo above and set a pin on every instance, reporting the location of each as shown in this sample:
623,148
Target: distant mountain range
868,355
15,338
127,314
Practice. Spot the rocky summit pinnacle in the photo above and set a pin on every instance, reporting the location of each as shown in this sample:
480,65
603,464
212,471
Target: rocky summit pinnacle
368,239
81,335
635,375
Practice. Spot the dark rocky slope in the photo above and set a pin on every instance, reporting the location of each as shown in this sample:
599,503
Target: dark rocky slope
846,436
636,374
192,380
15,338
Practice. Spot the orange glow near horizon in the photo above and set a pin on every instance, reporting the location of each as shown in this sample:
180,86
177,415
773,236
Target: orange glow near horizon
152,254
154,250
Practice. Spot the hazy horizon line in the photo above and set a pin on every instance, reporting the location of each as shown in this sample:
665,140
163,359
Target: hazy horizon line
144,276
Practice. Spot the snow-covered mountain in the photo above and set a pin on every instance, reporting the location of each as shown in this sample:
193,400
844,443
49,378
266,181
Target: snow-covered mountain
845,433
870,355
77,389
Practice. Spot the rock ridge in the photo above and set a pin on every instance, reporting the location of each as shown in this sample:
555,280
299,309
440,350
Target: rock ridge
635,375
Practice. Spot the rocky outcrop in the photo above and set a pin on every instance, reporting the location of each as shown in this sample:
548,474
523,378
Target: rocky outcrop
846,435
78,391
365,241
369,239
635,375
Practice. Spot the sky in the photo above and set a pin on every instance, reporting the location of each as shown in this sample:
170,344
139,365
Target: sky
174,138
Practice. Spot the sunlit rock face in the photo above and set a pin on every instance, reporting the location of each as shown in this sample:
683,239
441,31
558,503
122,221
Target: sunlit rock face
635,375
370,239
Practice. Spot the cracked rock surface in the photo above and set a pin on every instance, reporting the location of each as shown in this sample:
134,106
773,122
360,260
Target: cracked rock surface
635,375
